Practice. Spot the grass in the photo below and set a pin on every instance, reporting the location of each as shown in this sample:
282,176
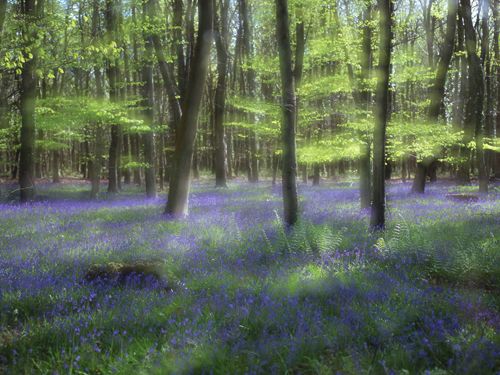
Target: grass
248,297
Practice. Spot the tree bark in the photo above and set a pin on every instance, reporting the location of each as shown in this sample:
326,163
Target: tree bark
436,108
489,130
177,204
463,170
148,107
111,17
4,80
377,220
182,67
31,12
289,176
365,188
249,80
316,174
95,175
55,167
171,86
475,101
221,42
496,51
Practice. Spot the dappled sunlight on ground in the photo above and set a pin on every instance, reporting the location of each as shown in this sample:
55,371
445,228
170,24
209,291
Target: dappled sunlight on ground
243,296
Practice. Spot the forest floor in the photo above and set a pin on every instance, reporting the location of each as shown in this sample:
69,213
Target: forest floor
113,287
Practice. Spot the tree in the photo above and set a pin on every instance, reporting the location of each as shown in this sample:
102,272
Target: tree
95,173
31,12
496,52
148,103
364,99
171,87
377,220
177,204
112,19
437,92
475,98
248,86
288,124
221,42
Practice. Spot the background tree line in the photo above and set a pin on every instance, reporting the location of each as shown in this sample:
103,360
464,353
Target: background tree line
133,92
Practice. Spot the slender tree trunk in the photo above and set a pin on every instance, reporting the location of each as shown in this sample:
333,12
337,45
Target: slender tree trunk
436,108
148,105
365,188
475,100
127,172
489,130
496,51
177,204
221,42
276,161
300,38
316,174
182,67
289,177
249,80
305,177
111,16
99,141
55,167
430,27
463,170
377,220
169,82
95,175
4,81
230,153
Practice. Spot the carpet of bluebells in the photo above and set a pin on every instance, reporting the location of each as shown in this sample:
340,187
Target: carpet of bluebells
239,294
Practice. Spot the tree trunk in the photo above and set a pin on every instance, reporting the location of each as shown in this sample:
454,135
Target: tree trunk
221,42
430,27
463,170
475,100
249,81
148,111
177,204
276,161
365,175
496,51
230,153
95,174
111,16
182,67
437,92
30,13
377,220
365,98
127,173
305,177
486,62
316,175
171,86
55,167
289,176
436,107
